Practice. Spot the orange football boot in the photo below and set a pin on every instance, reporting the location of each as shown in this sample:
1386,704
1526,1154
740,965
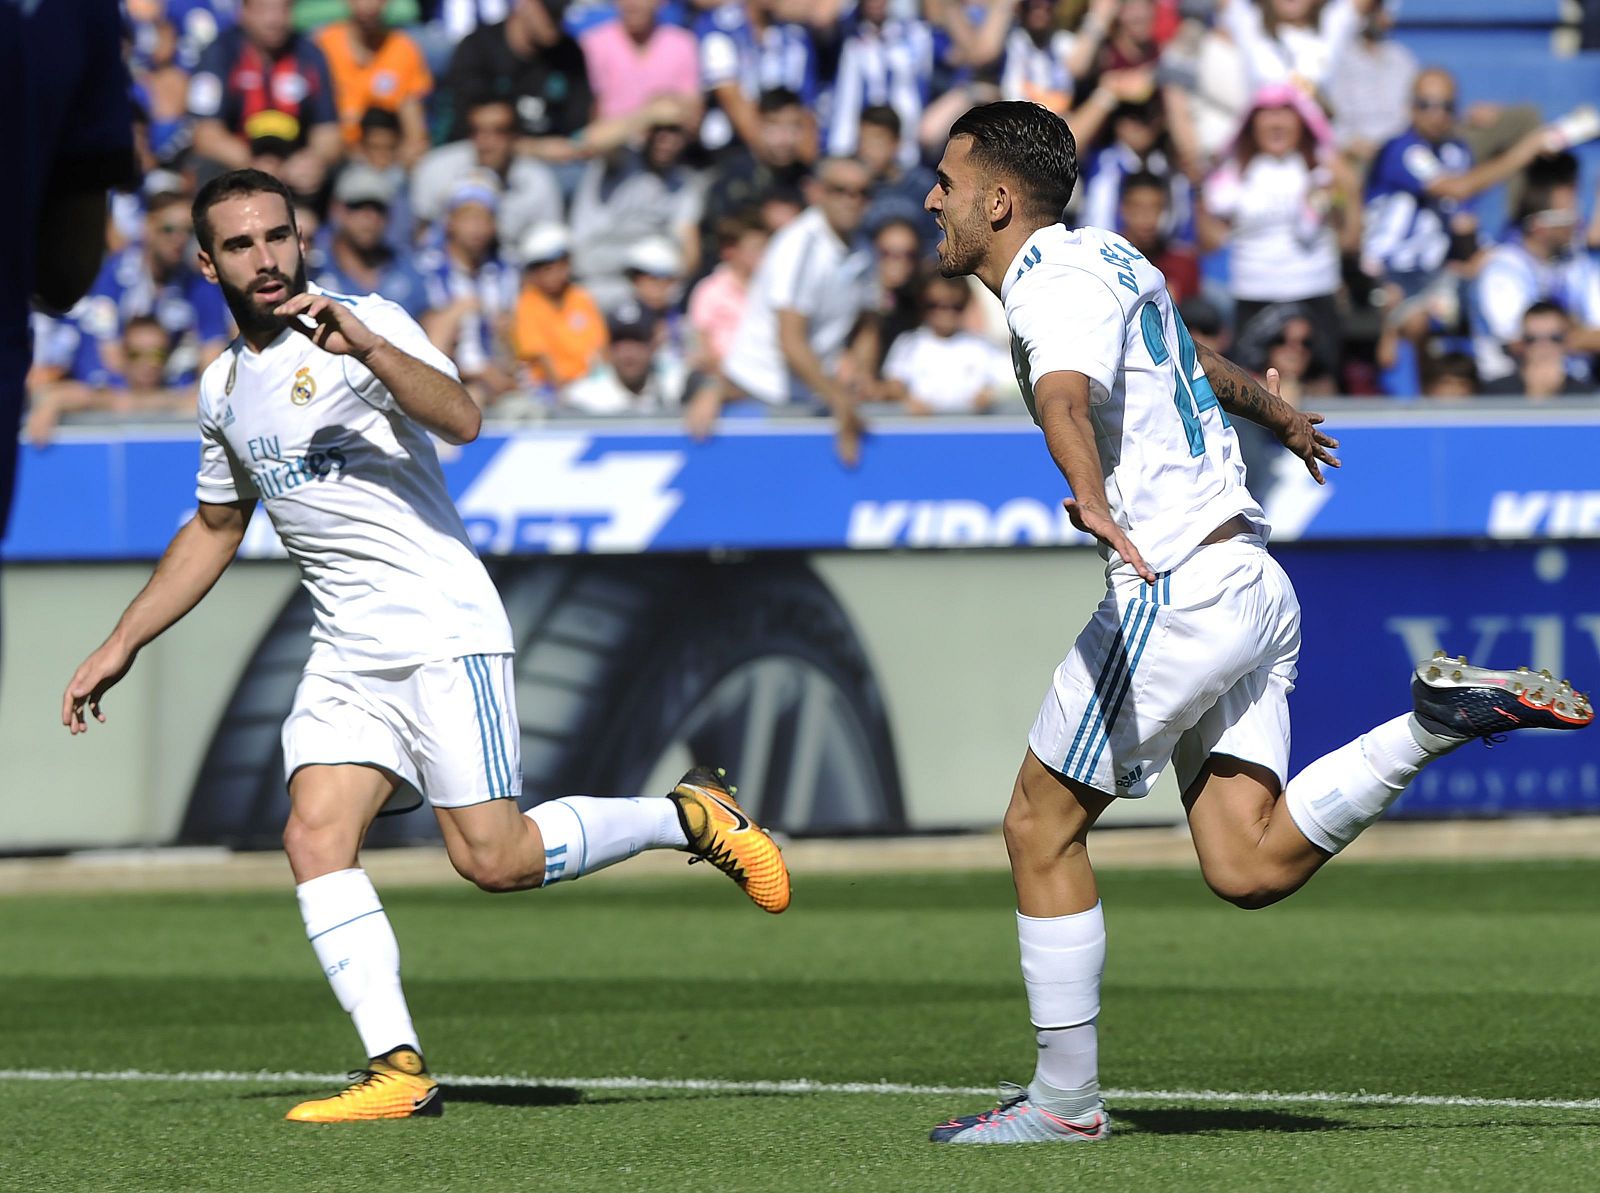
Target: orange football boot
722,833
396,1085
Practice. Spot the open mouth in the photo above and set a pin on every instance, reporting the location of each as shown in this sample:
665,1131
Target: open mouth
271,291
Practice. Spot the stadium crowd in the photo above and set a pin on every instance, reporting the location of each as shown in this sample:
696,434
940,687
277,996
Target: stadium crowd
654,206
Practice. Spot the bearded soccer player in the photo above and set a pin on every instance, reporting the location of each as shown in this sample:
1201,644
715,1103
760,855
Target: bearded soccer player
1190,658
322,409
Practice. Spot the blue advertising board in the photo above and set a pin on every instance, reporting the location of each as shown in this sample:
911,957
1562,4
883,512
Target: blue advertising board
567,487
1370,612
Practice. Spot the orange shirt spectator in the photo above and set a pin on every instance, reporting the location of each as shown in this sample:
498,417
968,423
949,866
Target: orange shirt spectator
374,66
558,331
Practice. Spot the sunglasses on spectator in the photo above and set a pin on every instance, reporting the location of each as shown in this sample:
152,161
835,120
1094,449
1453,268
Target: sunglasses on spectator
1292,342
169,229
843,191
497,129
152,354
1434,105
898,254
1544,337
932,305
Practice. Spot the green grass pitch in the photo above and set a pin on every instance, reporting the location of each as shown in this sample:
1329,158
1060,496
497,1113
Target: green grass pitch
1459,981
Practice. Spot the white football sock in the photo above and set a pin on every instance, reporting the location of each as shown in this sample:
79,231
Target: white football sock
1341,793
360,956
585,833
1062,960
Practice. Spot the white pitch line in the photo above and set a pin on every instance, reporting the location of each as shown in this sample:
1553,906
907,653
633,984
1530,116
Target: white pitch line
803,1086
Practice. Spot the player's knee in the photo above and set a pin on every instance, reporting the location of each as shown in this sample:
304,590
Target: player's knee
1037,838
1248,888
317,849
497,876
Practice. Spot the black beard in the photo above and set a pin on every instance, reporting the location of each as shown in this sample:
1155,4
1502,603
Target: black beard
961,255
249,318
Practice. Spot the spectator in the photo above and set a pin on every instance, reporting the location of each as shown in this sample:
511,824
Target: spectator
1296,42
262,90
899,256
139,389
1540,353
884,62
1542,259
1130,44
1204,88
558,333
805,301
635,59
1043,61
747,50
1282,338
654,271
1418,184
529,190
781,206
940,369
153,278
1276,201
379,148
471,292
1142,218
359,257
160,85
1139,145
629,196
376,67
1206,325
631,377
1370,85
717,301
897,192
1450,375
775,160
528,61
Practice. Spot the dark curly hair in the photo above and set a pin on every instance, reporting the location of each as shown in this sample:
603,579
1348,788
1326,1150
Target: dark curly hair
1029,145
232,185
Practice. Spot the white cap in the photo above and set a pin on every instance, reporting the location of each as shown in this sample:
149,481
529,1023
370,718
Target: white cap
544,242
656,256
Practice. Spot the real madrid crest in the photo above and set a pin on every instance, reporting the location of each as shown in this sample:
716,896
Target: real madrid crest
305,388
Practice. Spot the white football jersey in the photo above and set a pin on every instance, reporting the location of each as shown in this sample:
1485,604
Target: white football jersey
354,489
1086,301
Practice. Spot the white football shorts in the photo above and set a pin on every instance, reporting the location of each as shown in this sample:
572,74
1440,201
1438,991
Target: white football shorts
447,728
1200,663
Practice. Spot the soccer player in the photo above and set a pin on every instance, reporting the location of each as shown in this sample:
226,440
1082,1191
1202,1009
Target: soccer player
1191,655
322,408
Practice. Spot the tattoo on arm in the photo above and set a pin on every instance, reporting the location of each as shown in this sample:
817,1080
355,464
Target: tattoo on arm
1239,393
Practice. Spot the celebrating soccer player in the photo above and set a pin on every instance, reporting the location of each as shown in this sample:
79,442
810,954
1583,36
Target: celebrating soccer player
1191,656
322,408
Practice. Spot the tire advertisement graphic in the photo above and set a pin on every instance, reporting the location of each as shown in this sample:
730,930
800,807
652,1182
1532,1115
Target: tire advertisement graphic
628,670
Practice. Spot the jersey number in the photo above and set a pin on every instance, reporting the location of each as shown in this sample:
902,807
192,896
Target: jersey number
1188,395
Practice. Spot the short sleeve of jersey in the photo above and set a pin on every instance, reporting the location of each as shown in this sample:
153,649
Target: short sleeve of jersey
1068,320
205,85
791,285
222,479
392,323
719,60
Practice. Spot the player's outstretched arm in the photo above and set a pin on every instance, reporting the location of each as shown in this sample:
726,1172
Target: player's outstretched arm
1238,393
439,402
1062,402
195,558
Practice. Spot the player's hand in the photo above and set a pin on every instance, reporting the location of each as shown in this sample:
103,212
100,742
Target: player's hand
1099,524
90,682
1302,436
333,328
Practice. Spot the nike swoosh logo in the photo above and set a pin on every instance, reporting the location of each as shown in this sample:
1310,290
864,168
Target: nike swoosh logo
426,1098
1513,718
731,810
